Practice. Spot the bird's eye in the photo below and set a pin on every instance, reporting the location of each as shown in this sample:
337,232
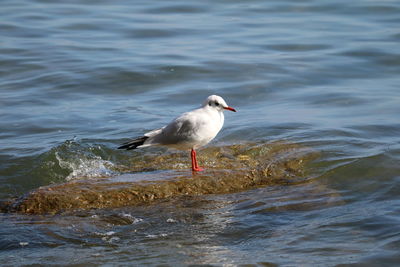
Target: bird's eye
216,103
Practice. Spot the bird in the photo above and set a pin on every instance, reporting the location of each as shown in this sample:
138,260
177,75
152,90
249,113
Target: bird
189,131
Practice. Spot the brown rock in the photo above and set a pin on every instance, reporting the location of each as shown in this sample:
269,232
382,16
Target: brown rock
229,169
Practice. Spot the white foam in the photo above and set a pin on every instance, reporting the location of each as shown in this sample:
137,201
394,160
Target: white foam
133,219
156,236
93,167
109,233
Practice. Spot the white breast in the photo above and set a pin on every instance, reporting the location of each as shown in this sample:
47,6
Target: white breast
208,127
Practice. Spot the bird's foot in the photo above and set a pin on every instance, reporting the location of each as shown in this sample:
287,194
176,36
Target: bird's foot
197,169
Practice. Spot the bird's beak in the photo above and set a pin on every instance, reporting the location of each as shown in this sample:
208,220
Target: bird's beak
231,109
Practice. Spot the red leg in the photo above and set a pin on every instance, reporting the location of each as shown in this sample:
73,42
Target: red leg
195,166
192,156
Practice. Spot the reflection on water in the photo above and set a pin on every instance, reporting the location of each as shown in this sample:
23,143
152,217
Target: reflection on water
318,74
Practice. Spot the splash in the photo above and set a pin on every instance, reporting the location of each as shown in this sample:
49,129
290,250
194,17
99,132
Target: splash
82,162
85,167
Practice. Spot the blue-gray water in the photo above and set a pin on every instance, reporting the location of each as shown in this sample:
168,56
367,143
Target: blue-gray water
79,77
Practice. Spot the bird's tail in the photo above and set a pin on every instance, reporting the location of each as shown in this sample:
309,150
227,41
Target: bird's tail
132,144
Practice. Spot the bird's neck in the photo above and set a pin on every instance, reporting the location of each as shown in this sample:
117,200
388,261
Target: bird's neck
214,111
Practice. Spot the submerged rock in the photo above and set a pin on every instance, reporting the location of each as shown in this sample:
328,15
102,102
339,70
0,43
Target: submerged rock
229,169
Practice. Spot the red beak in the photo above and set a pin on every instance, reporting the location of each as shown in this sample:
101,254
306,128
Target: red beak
231,109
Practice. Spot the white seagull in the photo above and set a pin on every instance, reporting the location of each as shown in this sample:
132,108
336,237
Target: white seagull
190,130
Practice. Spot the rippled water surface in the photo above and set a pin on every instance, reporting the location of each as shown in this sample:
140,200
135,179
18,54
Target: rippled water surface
78,78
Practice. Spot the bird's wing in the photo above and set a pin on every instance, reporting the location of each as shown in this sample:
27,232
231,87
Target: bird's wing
154,132
182,129
181,126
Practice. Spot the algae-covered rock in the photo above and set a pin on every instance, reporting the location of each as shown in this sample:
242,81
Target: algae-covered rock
229,169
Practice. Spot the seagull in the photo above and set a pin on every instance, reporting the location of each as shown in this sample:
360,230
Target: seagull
191,130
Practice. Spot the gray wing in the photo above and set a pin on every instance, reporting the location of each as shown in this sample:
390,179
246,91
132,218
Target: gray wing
180,130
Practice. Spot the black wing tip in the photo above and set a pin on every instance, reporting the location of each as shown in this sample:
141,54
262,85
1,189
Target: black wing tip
132,144
124,147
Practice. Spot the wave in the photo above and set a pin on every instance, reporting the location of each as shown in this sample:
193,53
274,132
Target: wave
82,161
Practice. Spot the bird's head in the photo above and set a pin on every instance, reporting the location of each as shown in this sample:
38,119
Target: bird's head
217,102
